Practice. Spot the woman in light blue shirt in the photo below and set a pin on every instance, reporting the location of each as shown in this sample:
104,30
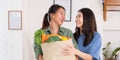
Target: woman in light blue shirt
87,37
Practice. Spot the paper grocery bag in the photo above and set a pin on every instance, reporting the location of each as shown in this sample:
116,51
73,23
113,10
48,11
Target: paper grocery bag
53,50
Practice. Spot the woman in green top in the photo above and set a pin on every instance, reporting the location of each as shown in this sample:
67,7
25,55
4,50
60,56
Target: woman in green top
52,21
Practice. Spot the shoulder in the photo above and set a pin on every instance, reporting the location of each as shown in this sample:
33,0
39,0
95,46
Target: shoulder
96,41
38,31
97,35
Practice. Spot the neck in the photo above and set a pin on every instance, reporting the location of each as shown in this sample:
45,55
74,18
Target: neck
54,28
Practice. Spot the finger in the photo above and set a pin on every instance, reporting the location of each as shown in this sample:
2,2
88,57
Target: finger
70,46
66,53
66,48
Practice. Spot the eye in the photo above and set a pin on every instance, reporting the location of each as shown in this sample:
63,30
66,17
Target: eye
79,16
61,13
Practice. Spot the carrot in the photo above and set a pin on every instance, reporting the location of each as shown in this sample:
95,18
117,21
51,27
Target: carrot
61,37
47,37
43,38
50,35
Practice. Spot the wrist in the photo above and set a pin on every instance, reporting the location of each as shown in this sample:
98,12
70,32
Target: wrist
76,51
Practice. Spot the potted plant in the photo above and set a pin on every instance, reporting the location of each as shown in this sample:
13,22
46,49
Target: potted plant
108,54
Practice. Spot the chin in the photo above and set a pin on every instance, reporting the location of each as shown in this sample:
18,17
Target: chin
60,24
77,26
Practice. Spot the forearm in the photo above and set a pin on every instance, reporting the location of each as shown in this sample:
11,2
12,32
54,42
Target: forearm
40,57
83,55
77,58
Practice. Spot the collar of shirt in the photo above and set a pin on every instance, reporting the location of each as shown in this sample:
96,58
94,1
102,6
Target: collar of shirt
61,31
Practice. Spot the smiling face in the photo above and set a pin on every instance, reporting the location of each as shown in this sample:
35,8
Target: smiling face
79,20
59,16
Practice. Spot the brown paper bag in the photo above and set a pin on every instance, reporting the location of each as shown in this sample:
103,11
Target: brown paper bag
53,50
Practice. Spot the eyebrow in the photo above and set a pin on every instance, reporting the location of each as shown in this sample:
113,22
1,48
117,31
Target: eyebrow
60,11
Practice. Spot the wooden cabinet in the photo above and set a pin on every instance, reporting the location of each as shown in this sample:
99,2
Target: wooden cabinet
110,5
113,2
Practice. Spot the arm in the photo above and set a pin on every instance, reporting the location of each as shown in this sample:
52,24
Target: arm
37,47
40,57
93,52
38,52
83,55
71,50
94,48
77,58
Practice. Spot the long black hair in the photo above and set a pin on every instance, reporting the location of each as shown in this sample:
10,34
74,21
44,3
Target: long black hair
88,27
53,9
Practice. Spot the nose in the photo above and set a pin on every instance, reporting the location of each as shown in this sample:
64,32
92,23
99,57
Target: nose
76,19
63,17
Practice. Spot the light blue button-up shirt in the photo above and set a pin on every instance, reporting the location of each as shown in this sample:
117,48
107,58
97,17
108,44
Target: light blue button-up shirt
93,48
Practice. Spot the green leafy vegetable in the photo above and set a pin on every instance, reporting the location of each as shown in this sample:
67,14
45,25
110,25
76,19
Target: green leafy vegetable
38,35
53,39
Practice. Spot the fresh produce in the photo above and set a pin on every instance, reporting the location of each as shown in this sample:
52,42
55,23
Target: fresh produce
53,37
38,35
41,37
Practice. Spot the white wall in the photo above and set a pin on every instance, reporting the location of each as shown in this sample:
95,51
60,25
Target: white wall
112,29
34,11
10,40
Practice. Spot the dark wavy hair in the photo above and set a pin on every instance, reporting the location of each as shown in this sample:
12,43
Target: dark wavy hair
53,9
89,26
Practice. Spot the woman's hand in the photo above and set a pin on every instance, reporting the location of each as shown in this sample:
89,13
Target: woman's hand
69,50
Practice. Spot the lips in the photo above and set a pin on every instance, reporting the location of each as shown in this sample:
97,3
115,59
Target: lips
62,20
